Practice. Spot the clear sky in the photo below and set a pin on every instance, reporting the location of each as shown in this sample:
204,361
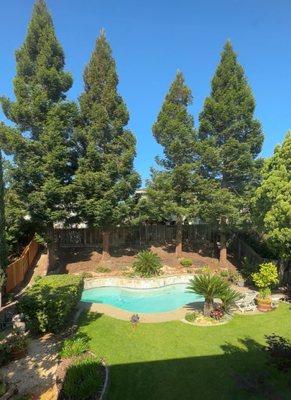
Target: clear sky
151,39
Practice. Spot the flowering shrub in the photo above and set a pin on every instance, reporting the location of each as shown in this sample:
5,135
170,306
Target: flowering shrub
217,314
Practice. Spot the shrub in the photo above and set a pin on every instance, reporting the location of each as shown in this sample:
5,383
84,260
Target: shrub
186,262
217,314
279,349
2,388
192,316
235,277
229,298
103,269
209,286
147,264
74,347
50,302
16,340
265,278
83,380
247,269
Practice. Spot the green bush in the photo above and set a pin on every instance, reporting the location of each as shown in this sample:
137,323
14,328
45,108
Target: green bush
74,347
228,299
192,316
265,278
147,264
50,302
186,262
83,380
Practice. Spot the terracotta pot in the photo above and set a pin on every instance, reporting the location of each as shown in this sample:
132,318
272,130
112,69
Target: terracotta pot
264,305
18,353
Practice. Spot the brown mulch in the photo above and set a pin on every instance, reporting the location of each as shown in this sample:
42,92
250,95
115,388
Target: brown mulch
87,260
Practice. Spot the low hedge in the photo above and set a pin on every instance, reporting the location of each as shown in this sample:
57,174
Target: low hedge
48,305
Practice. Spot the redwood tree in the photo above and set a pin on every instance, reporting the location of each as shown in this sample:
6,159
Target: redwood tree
105,178
170,193
231,139
40,141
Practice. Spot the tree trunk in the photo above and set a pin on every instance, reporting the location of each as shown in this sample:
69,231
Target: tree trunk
223,249
106,244
179,237
208,307
51,249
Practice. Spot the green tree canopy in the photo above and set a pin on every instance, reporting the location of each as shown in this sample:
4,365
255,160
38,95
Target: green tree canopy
2,224
272,207
41,139
170,192
231,139
105,178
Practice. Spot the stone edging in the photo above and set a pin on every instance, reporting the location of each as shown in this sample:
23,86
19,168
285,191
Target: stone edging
204,326
136,283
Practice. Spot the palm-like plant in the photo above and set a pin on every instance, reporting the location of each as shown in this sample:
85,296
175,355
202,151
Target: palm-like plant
209,286
229,298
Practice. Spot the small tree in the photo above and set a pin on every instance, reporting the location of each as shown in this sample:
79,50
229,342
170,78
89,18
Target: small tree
210,287
2,231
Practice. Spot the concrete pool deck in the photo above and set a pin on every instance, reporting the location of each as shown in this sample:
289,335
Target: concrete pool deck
114,312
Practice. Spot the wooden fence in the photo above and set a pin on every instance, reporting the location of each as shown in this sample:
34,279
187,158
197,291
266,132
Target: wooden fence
16,271
195,237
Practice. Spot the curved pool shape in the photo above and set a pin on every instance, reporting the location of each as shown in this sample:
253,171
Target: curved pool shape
166,298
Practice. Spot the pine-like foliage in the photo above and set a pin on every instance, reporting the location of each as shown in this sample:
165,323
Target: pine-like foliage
44,122
231,139
272,206
171,190
2,223
105,178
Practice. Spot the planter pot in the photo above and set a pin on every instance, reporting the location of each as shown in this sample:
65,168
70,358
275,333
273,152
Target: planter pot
264,305
18,353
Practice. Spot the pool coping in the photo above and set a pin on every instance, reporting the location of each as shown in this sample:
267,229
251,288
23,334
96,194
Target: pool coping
136,283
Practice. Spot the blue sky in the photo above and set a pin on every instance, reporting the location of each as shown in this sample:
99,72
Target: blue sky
152,39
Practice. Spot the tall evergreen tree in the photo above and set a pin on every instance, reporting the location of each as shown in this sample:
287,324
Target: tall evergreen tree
170,192
272,200
105,178
43,122
2,226
231,139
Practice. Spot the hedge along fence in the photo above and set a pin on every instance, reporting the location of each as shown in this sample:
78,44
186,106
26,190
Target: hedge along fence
16,271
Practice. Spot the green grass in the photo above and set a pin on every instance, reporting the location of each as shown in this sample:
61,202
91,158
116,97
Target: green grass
169,361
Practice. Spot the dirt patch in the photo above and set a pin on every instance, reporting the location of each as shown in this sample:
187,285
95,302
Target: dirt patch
88,260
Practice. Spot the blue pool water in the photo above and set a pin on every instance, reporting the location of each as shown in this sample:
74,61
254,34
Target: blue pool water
162,299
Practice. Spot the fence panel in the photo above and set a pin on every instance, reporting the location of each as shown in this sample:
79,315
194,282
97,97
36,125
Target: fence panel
17,270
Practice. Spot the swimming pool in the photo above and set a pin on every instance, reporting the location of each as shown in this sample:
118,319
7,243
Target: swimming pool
166,298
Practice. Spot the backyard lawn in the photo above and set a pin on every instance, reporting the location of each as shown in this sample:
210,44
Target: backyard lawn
177,361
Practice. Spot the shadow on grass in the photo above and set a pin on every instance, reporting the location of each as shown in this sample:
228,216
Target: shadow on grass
240,373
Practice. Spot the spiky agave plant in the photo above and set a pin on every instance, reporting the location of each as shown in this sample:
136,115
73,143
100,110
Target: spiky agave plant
209,286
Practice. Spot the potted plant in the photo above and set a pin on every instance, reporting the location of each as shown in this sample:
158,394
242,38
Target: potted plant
264,279
17,343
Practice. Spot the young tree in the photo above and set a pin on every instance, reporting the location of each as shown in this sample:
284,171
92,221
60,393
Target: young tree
272,207
231,138
105,178
40,141
170,192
